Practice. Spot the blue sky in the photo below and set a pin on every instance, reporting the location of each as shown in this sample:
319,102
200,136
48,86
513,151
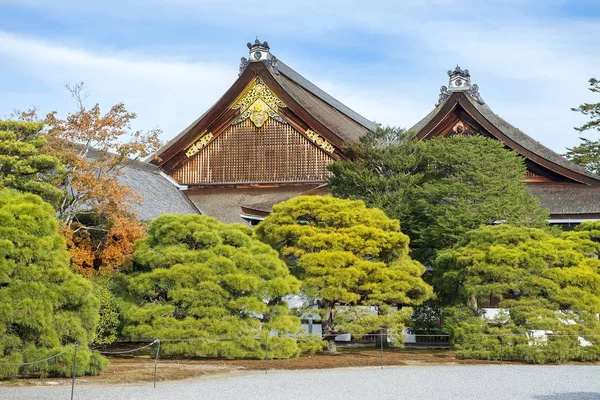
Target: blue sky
169,60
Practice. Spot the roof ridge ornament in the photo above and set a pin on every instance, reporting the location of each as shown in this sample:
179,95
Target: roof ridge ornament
460,81
259,52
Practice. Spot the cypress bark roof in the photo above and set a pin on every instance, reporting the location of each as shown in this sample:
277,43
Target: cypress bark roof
325,97
158,194
568,199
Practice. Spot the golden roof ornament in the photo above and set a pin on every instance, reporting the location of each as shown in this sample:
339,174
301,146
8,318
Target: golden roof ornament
259,104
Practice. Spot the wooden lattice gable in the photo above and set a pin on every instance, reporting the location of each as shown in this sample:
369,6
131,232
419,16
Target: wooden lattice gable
278,99
244,153
461,111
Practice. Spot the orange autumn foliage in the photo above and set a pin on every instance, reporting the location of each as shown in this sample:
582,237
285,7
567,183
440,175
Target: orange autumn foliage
98,223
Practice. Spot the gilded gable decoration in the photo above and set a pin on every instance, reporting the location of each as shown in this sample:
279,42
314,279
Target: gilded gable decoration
259,104
199,144
320,141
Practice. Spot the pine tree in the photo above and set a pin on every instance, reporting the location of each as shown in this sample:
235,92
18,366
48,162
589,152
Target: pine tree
541,281
44,306
587,153
352,260
195,277
22,166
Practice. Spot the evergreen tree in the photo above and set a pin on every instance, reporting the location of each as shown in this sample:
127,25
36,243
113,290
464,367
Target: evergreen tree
22,166
541,281
195,277
439,189
352,260
587,153
44,306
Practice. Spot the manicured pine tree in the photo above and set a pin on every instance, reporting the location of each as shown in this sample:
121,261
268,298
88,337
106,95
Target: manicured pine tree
195,277
541,281
44,306
352,260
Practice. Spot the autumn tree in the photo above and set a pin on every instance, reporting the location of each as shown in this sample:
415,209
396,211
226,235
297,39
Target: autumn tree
195,277
352,260
23,166
540,281
587,153
45,306
438,189
98,224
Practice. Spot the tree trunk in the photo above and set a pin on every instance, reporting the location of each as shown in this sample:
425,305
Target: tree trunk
382,337
473,303
327,328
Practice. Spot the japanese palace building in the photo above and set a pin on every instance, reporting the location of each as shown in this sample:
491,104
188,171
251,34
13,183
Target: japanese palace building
273,132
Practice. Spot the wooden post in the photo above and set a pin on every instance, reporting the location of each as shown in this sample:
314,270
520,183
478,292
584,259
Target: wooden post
381,345
156,359
267,354
74,370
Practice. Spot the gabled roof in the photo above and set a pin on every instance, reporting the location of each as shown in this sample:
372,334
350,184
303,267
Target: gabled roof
470,104
305,103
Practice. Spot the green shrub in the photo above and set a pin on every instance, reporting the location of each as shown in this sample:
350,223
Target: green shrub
108,325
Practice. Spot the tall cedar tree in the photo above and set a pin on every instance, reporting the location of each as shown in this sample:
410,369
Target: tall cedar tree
195,277
98,224
587,153
542,282
23,166
46,307
439,189
352,260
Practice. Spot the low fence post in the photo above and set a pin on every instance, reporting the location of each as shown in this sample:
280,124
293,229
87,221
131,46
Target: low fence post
74,370
501,348
267,354
381,337
156,359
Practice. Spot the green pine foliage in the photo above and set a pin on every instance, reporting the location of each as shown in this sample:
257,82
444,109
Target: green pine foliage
195,277
45,306
439,189
542,282
587,153
22,166
352,260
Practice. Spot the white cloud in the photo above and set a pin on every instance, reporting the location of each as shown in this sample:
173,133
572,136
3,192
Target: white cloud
165,94
531,65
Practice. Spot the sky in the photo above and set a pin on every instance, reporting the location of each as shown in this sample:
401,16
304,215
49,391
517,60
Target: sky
170,60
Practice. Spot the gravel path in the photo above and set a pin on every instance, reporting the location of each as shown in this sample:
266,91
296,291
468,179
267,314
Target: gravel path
435,382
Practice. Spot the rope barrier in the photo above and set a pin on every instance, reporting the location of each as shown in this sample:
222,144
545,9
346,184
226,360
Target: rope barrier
214,339
34,362
121,352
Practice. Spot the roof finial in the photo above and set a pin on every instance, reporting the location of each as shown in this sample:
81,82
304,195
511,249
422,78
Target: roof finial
259,52
460,81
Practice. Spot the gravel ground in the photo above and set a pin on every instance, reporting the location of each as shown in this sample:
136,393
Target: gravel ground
435,382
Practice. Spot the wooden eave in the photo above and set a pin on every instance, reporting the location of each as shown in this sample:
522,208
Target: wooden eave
459,107
220,116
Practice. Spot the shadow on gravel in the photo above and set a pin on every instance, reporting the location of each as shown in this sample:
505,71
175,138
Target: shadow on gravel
570,396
